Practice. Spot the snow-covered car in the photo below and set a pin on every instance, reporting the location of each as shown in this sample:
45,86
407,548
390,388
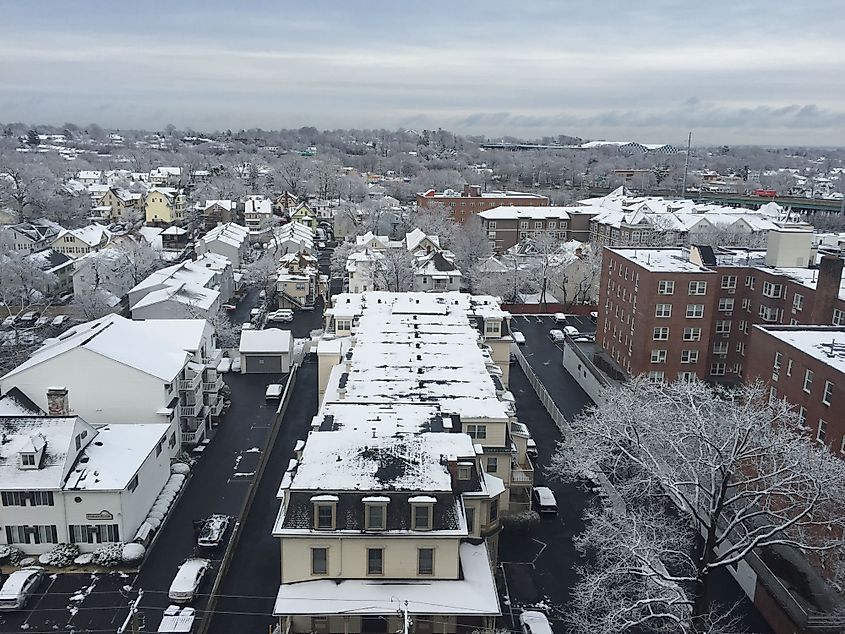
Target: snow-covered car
59,320
534,622
544,500
236,364
247,326
559,318
43,321
531,448
212,531
274,390
283,314
188,578
572,331
518,337
594,317
225,365
229,307
28,317
19,586
556,335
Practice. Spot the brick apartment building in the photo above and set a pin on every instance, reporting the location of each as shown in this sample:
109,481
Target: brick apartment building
506,226
806,366
689,313
472,200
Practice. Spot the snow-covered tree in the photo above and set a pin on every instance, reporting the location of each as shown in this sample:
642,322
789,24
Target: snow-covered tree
228,332
93,303
394,271
738,467
436,220
262,272
470,244
339,256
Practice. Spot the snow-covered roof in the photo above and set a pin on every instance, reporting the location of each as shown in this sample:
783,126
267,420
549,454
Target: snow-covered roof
185,293
269,340
661,260
414,238
92,235
473,594
230,233
199,272
182,334
225,204
115,456
116,338
258,206
824,343
525,213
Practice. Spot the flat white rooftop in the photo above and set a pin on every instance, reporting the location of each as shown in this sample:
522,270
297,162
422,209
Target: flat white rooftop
824,343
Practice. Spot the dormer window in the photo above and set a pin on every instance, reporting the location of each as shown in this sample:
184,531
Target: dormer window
375,513
422,510
464,472
325,512
28,460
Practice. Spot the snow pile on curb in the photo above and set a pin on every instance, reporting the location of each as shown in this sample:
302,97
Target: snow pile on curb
133,552
163,503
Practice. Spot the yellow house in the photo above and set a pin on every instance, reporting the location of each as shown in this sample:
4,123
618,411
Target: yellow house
303,214
122,204
165,205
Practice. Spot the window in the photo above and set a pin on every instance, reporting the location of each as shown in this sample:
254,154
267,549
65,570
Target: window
99,534
740,347
749,281
491,224
698,288
746,304
492,464
375,561
723,327
808,381
470,515
789,368
492,327
538,224
838,317
172,441
717,369
776,363
689,356
464,472
421,517
828,392
319,561
686,377
425,561
375,516
658,356
772,290
769,313
720,347
798,302
692,334
27,498
28,459
478,432
343,324
324,516
551,224
661,333
695,311
523,224
726,303
663,310
729,281
655,376
38,534
133,484
822,432
665,287
802,416
494,510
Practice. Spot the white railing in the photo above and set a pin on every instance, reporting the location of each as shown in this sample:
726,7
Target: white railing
524,477
190,384
187,410
193,437
214,386
217,407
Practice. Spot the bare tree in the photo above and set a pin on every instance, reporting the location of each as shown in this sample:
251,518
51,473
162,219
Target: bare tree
262,272
737,466
436,220
228,332
339,256
470,244
293,175
394,271
93,303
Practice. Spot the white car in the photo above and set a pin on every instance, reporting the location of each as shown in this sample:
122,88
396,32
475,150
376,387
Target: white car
534,622
559,318
283,314
212,531
531,448
19,586
518,337
274,390
59,320
43,321
556,336
544,500
187,581
572,331
236,364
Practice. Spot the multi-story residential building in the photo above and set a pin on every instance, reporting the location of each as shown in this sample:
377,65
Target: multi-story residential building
189,290
436,272
298,281
229,240
258,216
472,200
65,481
165,176
291,238
28,237
120,204
304,215
217,212
688,313
56,264
165,205
806,366
284,203
508,226
75,243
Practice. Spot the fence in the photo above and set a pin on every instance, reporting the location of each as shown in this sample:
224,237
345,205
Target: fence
542,394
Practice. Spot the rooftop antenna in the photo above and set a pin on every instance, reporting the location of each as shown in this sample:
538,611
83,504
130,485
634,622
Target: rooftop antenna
686,166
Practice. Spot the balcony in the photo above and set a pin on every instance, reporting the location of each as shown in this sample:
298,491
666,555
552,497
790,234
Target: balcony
522,476
190,384
213,386
194,437
189,410
217,408
213,360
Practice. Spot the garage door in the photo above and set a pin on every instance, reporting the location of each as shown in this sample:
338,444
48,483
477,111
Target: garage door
269,364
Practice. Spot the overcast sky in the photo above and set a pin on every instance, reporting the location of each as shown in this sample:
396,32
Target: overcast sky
741,71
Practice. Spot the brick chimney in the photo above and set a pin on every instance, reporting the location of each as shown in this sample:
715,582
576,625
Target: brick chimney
827,289
471,191
57,401
452,467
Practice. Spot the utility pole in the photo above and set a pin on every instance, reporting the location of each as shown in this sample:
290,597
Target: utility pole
406,627
686,166
131,619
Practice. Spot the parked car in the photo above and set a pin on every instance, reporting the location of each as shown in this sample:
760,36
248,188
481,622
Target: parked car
229,307
247,326
59,320
534,622
236,364
225,365
594,317
518,337
274,390
544,500
559,318
572,331
19,586
28,317
556,336
43,321
283,314
212,531
188,578
176,619
255,313
531,448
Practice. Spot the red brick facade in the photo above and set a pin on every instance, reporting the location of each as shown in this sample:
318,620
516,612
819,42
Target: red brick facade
472,201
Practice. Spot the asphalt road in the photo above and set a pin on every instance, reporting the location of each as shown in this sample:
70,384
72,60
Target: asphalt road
249,587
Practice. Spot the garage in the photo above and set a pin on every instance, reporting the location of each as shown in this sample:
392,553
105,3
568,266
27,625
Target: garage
266,351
